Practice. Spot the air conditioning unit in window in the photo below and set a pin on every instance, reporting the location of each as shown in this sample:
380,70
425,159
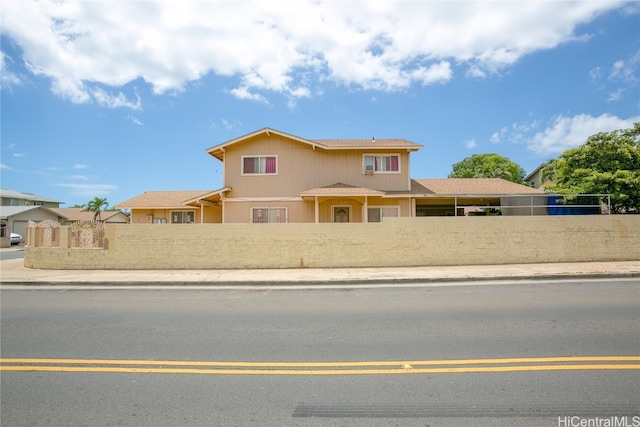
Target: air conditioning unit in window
368,168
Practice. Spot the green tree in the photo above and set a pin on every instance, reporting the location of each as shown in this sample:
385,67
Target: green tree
488,166
607,163
96,206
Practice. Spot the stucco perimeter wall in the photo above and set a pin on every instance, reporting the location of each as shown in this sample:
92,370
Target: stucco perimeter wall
395,242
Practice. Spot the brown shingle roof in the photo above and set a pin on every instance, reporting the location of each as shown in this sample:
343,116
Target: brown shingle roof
82,214
471,186
328,144
161,199
367,143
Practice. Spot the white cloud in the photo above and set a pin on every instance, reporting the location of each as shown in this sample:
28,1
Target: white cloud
78,177
516,133
135,120
7,78
616,95
243,93
19,154
274,46
106,99
626,70
569,132
80,166
471,143
89,190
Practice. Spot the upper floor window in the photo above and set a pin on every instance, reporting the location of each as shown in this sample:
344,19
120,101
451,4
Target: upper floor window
382,163
259,165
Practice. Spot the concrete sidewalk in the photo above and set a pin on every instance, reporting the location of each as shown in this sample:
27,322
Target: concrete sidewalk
12,272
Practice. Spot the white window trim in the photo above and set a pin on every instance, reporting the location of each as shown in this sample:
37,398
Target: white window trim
381,155
397,207
258,174
286,214
182,211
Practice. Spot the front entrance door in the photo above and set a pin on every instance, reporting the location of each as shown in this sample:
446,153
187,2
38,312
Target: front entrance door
341,213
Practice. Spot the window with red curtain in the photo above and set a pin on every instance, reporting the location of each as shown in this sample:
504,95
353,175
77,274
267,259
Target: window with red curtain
383,163
259,165
394,163
270,165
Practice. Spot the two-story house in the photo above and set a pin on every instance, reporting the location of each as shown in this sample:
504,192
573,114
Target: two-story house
274,177
17,198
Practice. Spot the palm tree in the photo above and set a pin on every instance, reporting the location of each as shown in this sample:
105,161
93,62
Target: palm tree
95,206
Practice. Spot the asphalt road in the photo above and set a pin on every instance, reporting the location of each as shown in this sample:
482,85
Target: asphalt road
14,252
460,355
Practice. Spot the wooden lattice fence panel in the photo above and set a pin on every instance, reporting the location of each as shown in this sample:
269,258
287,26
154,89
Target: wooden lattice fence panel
47,234
87,235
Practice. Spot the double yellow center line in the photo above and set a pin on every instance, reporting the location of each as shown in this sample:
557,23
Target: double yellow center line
584,363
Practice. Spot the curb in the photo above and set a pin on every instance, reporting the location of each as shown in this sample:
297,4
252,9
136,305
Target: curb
320,283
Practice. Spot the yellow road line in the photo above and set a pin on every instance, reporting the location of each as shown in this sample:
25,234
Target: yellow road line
559,359
476,369
561,363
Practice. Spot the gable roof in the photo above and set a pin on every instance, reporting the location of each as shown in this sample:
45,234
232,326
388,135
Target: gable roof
82,214
162,199
470,186
9,211
326,144
12,194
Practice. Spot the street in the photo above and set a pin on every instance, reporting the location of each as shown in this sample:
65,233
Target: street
506,354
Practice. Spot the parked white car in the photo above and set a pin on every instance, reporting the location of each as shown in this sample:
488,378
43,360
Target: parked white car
16,238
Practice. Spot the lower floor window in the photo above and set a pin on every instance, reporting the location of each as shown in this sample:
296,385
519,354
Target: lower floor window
377,213
268,215
183,217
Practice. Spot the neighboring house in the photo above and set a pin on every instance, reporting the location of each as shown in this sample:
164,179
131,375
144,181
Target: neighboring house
274,177
16,198
14,219
176,207
534,179
72,215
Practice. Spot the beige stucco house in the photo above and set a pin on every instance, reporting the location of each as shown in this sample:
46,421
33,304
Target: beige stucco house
274,177
70,215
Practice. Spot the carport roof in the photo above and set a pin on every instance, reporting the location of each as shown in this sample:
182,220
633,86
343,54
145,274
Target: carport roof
470,186
162,199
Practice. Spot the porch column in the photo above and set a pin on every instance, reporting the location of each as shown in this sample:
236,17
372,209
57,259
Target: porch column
365,217
201,213
317,209
413,207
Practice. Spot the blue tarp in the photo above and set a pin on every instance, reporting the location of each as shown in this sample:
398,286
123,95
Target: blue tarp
557,206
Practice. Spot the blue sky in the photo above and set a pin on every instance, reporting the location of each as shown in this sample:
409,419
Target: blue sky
112,99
